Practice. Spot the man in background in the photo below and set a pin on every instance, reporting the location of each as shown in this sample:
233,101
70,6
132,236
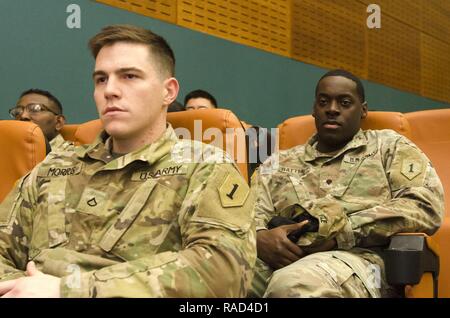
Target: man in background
199,99
45,110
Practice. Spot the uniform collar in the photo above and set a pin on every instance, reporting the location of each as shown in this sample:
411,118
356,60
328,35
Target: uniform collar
100,150
311,152
56,142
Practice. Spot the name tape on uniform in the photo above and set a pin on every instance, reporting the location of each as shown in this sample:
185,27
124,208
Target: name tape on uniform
168,171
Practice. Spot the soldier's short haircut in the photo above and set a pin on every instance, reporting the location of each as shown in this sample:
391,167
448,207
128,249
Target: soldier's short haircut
159,47
350,76
46,94
199,93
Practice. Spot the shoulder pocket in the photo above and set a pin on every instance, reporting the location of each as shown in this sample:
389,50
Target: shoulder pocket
226,200
300,189
11,203
409,167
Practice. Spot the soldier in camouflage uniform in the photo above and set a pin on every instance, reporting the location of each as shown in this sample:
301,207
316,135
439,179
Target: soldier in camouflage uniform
360,187
138,213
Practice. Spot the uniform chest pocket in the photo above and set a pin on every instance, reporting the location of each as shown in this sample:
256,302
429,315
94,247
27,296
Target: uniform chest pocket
129,214
302,192
289,201
368,180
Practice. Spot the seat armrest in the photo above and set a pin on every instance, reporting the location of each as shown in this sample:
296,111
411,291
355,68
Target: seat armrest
408,257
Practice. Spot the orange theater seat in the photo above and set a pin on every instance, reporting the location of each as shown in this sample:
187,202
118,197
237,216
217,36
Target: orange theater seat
88,131
297,130
219,127
68,132
24,147
431,132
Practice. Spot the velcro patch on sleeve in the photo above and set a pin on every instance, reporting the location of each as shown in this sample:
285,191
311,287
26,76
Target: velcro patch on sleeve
225,200
233,191
409,167
412,167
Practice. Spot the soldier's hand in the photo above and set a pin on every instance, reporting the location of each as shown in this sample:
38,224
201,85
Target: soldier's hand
276,249
36,284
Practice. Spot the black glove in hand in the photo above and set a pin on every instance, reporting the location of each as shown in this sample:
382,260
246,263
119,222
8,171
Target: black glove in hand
311,226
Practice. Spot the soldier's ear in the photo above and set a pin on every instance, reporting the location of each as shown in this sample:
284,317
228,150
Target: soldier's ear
60,122
171,88
364,110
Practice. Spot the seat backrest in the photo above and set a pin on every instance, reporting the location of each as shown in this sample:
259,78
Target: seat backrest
297,130
219,127
68,132
24,147
88,131
431,132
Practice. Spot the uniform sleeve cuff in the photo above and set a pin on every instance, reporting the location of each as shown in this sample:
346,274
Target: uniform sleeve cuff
13,275
346,239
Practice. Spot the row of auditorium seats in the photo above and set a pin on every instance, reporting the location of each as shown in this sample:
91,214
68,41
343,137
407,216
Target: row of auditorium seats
204,125
429,129
23,147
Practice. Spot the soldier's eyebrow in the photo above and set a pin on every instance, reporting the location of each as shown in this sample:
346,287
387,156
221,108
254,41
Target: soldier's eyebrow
323,95
118,71
343,95
128,69
98,73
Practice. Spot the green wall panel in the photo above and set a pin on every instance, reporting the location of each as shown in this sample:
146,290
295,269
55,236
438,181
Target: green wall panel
38,50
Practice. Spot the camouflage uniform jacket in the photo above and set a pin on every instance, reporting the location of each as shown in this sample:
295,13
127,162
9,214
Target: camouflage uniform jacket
379,184
141,225
59,143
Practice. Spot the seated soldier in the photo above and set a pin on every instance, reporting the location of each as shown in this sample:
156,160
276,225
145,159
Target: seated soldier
45,110
346,191
124,216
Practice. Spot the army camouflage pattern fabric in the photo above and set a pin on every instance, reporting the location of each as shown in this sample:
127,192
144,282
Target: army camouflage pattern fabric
140,225
59,143
378,185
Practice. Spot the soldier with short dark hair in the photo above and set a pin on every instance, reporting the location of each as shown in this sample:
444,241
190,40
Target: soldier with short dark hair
45,110
345,192
199,99
130,215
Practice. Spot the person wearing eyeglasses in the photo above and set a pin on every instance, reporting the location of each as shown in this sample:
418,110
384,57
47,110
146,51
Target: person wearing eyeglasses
43,109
